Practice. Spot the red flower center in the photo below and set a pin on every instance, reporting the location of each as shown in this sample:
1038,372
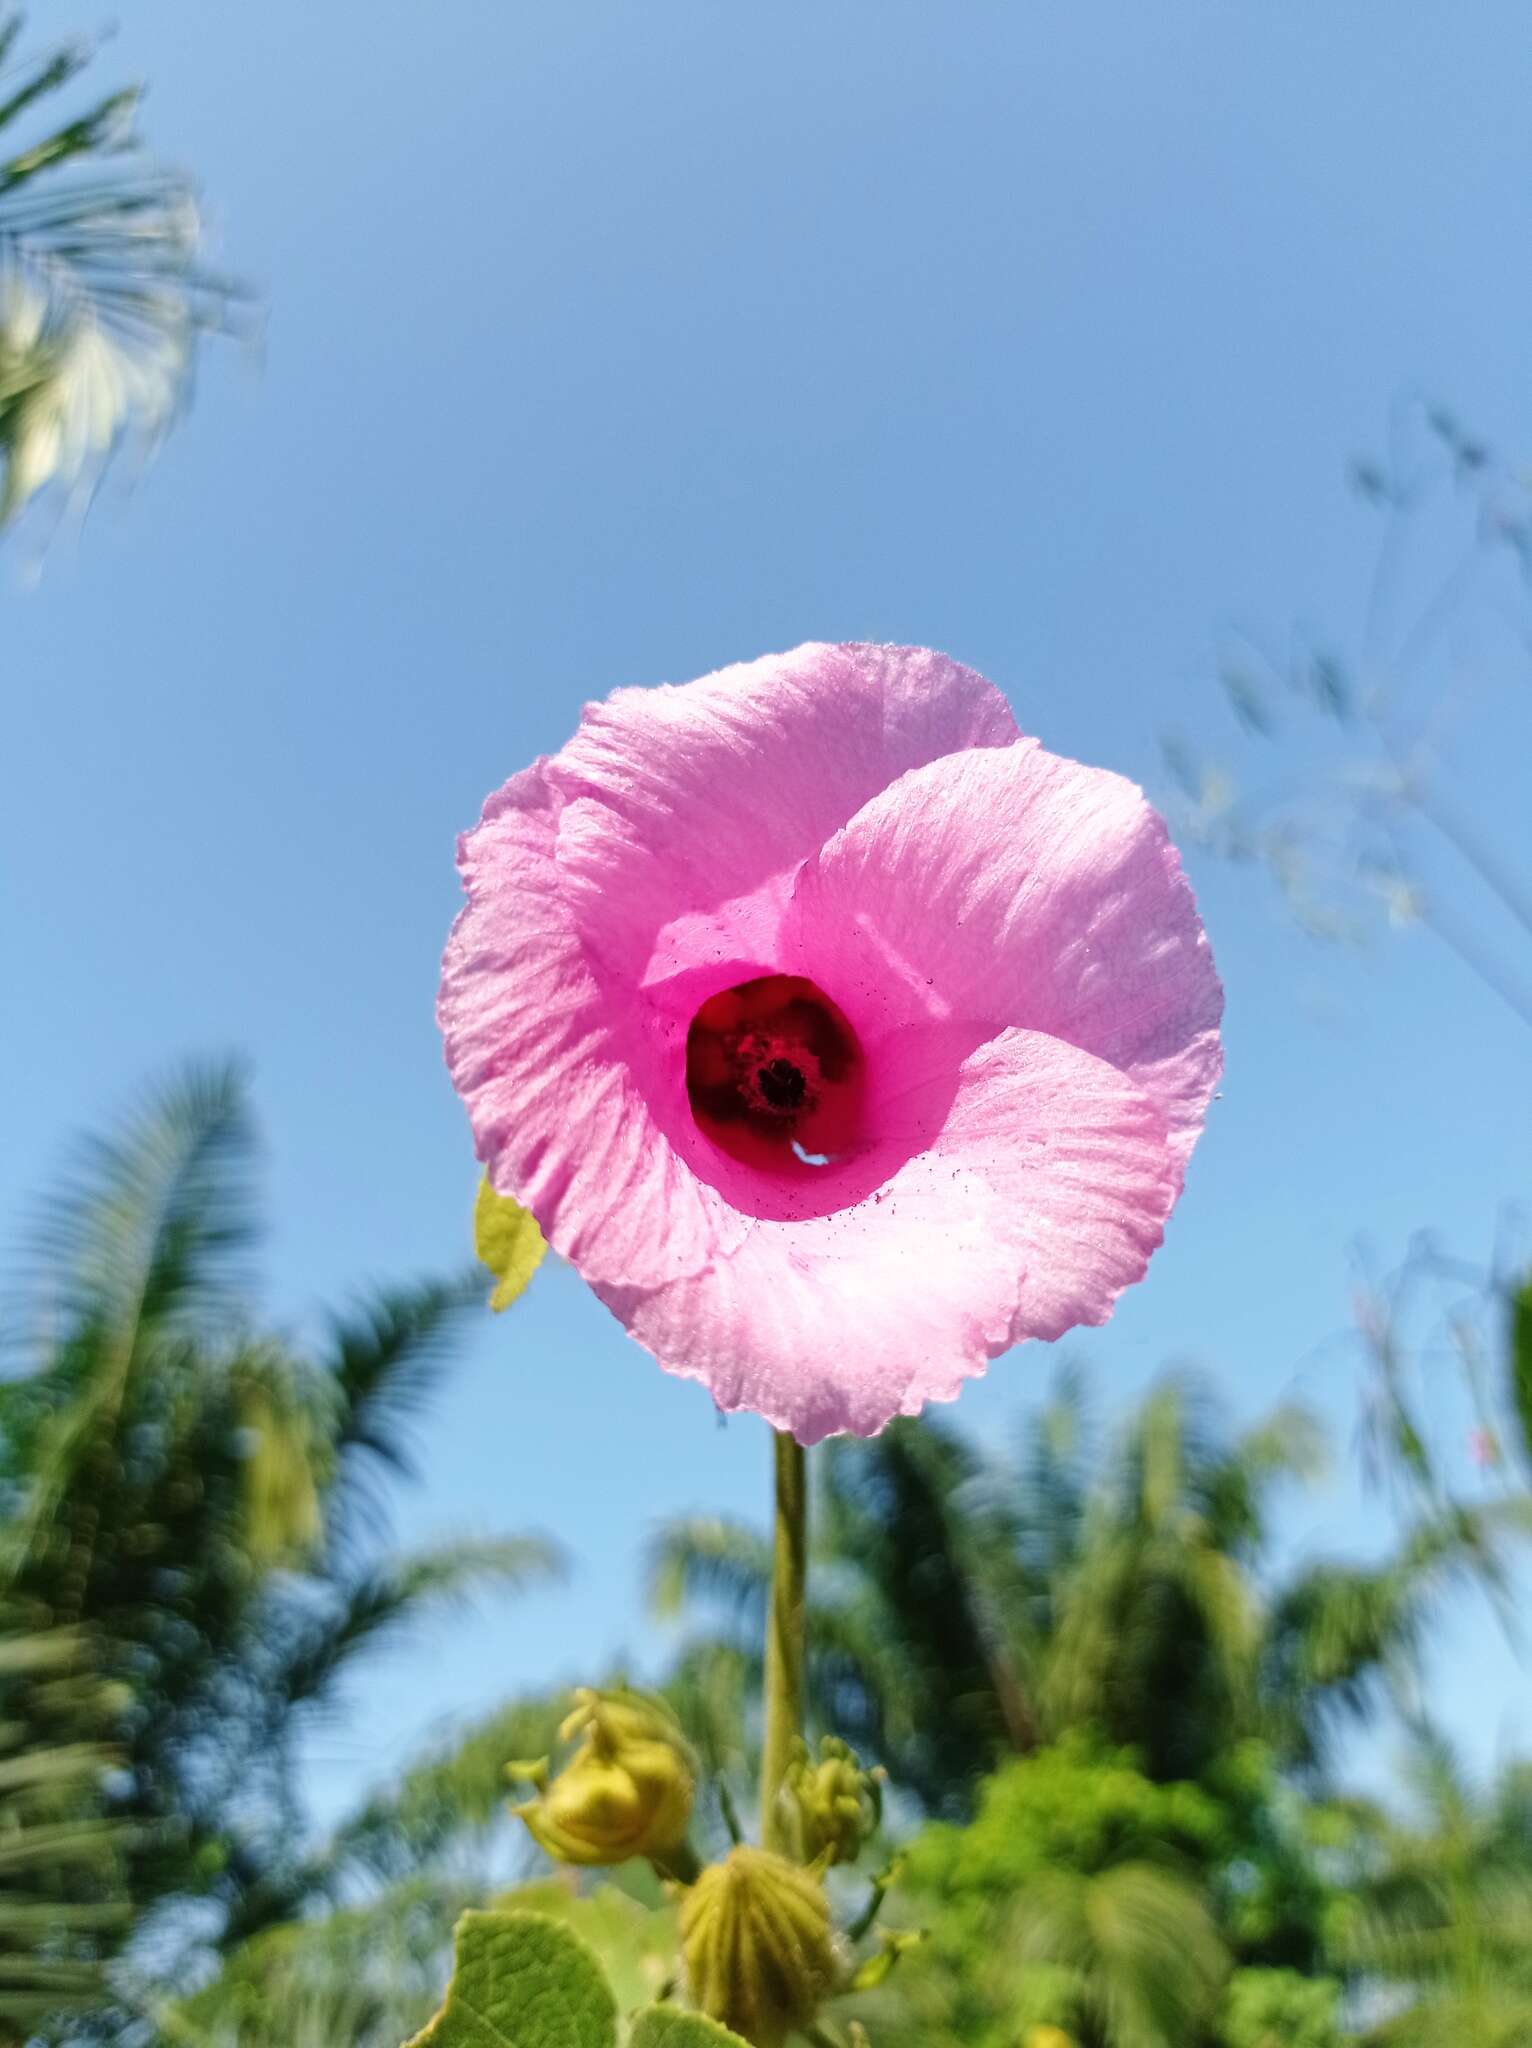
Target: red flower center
774,1074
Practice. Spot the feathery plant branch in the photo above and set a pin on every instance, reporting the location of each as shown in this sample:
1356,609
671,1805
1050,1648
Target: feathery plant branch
402,1591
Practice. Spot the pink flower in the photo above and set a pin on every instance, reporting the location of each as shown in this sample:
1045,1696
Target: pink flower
837,1034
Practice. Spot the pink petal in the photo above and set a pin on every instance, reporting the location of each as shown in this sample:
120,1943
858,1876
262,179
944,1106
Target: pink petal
698,795
538,1055
1011,886
1038,1196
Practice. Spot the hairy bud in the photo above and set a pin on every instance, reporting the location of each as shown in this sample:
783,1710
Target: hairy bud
626,1791
757,1943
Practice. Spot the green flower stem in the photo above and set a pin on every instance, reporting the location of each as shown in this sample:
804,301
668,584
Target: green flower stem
881,1886
729,1811
784,1635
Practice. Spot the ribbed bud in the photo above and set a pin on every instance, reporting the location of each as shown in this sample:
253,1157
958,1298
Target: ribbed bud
757,1944
626,1791
834,1804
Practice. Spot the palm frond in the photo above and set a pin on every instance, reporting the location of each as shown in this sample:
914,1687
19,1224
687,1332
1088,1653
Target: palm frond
138,1260
1335,1638
61,1900
712,1688
709,1561
1139,1942
149,1227
382,1365
367,1976
103,291
404,1591
288,1458
1052,1491
457,1791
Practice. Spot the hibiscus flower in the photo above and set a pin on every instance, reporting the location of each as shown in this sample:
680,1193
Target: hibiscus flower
841,1036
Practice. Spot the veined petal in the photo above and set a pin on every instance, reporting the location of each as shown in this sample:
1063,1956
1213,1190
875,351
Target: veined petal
1037,1200
696,795
1012,886
537,1055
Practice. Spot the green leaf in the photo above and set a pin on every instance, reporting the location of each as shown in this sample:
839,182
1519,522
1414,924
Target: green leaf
508,1241
636,1943
666,2026
1521,1358
520,1981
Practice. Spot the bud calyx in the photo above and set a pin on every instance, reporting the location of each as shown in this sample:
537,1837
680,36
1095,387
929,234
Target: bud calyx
757,1942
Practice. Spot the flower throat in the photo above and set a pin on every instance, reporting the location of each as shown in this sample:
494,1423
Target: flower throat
774,1074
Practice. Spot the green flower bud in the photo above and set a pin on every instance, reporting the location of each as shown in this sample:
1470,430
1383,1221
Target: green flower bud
835,1804
626,1791
757,1944
1048,2037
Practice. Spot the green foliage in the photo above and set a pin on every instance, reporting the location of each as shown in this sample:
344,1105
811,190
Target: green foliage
1073,1807
520,1981
968,1607
1280,2009
365,1976
525,1980
1444,1917
1088,1897
1098,1896
1139,1945
1158,1635
204,1506
929,1634
1076,1898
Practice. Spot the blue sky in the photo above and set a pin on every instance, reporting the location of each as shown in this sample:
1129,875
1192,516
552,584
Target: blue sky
608,343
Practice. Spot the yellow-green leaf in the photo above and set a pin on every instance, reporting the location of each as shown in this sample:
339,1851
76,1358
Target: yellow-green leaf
667,2026
520,1981
508,1241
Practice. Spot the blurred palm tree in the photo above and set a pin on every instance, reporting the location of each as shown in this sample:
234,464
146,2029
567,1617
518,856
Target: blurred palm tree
103,291
1445,1926
1134,1947
205,1505
1158,1628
